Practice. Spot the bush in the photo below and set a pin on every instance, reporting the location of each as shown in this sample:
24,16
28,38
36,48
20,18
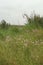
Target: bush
36,21
15,29
4,24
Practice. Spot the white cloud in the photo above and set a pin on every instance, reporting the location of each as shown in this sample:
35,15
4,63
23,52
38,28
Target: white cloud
12,10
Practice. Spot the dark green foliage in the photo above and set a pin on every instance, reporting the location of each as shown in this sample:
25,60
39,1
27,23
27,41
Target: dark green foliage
36,21
41,22
16,29
4,24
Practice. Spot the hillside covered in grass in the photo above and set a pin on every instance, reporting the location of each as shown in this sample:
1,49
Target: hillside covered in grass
22,45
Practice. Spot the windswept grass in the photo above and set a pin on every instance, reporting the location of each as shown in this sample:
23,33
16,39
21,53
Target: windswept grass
21,46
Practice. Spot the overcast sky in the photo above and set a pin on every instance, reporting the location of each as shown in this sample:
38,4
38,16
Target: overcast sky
12,10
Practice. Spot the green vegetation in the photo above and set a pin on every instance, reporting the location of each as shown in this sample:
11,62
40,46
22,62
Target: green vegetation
21,45
3,24
35,21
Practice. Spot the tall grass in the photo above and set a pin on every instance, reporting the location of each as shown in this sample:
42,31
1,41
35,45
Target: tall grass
22,45
34,21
